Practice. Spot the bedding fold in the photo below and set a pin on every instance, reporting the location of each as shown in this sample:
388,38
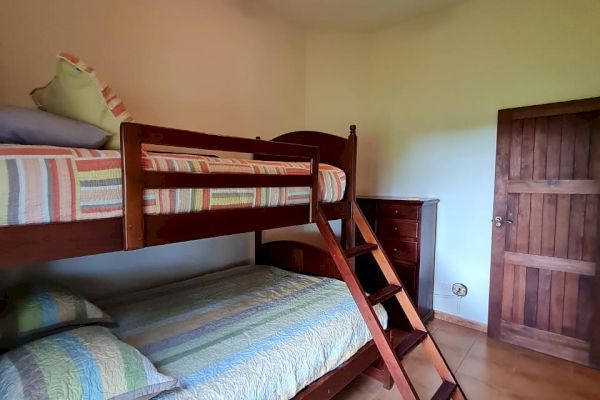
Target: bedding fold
251,332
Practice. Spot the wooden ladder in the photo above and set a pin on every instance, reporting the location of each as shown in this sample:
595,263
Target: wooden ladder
391,355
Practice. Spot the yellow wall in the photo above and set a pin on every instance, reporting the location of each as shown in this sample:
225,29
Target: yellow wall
425,96
432,88
212,65
215,65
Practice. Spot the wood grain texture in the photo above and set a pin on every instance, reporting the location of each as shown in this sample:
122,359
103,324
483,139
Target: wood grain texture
549,252
430,347
595,173
565,347
576,224
392,362
297,257
25,244
549,222
414,258
535,222
525,279
554,186
172,228
516,150
554,109
133,186
568,265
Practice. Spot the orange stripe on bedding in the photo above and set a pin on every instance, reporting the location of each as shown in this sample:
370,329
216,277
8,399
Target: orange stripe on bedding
96,164
33,151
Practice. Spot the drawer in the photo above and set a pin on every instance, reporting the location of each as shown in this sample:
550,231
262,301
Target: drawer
401,211
398,228
400,250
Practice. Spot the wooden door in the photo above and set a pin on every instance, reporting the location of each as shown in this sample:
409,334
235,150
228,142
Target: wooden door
544,241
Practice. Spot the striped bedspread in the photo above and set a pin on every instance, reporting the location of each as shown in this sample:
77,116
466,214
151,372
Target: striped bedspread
251,332
43,184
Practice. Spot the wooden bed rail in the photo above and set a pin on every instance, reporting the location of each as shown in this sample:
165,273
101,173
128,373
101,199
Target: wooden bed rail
136,179
333,150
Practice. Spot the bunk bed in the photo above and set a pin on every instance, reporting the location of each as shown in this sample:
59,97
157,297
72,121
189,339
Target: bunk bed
304,155
23,243
77,233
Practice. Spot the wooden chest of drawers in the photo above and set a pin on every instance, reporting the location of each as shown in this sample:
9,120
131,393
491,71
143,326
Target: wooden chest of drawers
406,230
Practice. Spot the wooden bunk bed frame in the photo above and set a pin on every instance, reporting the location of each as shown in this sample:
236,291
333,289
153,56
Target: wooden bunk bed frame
33,243
25,244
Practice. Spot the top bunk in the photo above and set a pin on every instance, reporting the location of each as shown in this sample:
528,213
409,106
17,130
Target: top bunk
62,202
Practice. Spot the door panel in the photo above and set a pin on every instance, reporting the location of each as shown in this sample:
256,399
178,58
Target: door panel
544,254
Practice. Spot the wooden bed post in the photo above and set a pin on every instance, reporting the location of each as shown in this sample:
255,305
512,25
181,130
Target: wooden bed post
349,158
133,186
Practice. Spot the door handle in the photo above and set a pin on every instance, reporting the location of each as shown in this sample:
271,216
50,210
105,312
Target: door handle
499,221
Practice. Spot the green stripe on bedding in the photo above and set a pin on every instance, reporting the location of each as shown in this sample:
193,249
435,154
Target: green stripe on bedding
33,311
85,363
223,333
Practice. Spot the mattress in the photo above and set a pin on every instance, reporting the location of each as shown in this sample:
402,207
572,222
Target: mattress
43,184
251,332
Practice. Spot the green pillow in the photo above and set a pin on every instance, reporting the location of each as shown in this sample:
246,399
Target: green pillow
75,92
84,363
31,312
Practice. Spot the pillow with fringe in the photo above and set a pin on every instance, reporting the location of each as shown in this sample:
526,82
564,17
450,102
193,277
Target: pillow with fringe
76,92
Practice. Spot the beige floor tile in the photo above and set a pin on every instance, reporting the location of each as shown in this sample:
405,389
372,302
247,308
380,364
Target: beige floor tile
488,369
454,342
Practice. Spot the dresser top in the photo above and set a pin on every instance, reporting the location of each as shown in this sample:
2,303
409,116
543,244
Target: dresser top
415,200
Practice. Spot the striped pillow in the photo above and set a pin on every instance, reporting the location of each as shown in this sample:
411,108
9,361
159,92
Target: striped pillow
76,92
32,312
85,363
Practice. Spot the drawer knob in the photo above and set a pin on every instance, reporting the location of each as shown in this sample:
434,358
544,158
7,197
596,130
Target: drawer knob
395,249
396,228
395,211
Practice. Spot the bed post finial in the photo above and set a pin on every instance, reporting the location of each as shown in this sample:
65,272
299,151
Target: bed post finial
352,130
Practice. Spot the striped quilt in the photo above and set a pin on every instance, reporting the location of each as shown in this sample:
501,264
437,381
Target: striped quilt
44,184
251,332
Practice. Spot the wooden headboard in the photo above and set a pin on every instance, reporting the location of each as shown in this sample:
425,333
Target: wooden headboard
333,150
297,257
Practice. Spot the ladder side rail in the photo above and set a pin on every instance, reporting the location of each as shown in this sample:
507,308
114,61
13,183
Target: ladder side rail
381,340
405,301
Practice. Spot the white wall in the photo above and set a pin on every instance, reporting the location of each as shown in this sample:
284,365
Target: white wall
110,273
425,96
431,88
220,66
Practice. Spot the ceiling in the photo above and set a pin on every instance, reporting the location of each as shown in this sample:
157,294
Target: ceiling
350,15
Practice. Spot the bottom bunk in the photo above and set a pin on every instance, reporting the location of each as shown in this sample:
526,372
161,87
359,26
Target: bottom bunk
250,332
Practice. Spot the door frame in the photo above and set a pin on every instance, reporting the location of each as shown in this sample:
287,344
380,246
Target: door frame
505,118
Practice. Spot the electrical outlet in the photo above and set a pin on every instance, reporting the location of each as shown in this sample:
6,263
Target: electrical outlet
459,289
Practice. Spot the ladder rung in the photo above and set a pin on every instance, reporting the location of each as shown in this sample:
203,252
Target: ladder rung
384,294
445,391
360,250
409,342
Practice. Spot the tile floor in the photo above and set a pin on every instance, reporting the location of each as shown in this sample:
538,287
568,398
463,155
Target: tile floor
487,369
